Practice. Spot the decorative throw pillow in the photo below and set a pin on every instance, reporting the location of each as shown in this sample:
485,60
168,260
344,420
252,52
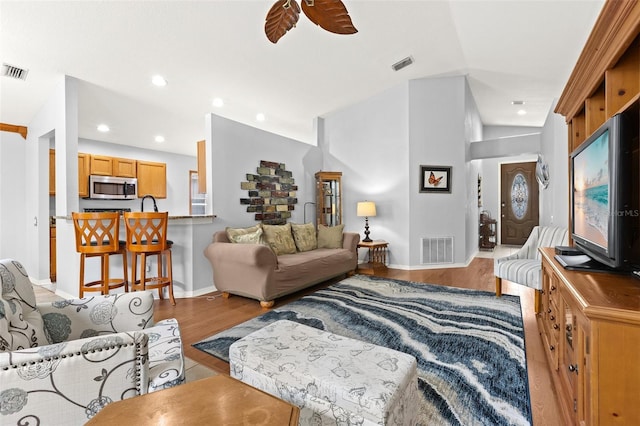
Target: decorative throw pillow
279,238
304,236
248,238
232,233
330,236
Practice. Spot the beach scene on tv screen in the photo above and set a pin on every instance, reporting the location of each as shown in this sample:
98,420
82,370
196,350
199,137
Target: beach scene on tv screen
591,192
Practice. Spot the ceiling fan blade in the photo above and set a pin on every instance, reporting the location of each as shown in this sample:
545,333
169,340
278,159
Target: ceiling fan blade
332,15
282,16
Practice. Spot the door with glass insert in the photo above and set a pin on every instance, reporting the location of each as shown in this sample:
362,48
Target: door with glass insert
518,202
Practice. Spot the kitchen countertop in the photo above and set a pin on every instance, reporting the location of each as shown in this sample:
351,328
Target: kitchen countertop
197,216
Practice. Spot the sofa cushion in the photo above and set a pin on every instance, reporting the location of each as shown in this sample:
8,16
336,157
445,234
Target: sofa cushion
330,236
280,239
304,236
236,233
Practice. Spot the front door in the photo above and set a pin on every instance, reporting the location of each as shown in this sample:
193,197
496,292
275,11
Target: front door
518,202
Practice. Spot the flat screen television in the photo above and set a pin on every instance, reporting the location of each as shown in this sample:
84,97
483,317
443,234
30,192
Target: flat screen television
605,189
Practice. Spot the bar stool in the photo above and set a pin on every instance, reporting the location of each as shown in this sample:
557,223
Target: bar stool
97,236
147,236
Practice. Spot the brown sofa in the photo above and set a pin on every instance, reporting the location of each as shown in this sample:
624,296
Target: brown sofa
253,270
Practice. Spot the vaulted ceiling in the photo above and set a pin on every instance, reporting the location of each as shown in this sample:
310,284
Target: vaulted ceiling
509,50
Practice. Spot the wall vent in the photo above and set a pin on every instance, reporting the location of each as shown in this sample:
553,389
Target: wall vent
402,63
13,72
436,251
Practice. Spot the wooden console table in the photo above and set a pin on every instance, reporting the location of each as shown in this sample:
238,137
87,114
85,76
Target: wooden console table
590,328
217,400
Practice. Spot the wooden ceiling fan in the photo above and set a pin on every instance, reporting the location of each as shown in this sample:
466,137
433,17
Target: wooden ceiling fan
332,15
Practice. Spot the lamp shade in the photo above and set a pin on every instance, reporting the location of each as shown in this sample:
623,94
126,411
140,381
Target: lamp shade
366,208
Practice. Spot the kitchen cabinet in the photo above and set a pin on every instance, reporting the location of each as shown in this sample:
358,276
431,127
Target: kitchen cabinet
112,166
124,167
52,253
101,165
83,174
590,327
152,179
52,172
202,167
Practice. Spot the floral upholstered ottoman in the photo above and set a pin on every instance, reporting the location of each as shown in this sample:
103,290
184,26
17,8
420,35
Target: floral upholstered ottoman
333,379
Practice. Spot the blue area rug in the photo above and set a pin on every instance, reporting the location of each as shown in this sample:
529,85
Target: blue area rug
469,344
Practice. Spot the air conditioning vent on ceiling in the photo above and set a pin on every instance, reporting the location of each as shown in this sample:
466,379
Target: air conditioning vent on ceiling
402,63
14,72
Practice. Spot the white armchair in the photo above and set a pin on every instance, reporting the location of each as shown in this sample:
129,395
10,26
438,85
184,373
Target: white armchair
61,362
524,266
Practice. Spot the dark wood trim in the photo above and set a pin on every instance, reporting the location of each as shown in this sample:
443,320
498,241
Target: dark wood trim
15,129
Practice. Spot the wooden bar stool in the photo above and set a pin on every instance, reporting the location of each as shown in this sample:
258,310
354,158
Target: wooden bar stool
97,235
147,236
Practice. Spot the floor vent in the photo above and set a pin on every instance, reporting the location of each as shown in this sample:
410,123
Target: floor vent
437,250
14,72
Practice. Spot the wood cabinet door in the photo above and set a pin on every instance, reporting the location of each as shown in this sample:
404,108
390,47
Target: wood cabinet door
52,172
124,167
202,167
52,254
101,165
83,174
152,179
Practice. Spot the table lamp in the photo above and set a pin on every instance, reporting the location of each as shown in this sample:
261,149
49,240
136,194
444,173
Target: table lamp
366,209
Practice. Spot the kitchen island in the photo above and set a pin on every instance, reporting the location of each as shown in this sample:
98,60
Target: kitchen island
190,234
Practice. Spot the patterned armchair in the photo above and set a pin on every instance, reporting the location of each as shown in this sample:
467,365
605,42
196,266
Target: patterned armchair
524,266
61,362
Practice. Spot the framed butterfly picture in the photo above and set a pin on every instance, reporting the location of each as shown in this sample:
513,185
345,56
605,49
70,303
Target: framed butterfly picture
435,179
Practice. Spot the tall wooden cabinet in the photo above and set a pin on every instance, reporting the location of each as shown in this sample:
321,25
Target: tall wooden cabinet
329,198
590,326
590,322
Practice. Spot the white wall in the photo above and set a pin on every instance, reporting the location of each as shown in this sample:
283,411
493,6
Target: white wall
368,143
555,150
13,220
236,150
473,132
437,137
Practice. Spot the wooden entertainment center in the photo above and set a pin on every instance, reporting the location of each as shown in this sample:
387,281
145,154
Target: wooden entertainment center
590,326
590,321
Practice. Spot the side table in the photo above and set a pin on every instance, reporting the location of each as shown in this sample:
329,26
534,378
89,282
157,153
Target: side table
377,256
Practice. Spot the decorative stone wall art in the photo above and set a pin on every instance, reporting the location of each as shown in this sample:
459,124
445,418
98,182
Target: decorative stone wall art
272,193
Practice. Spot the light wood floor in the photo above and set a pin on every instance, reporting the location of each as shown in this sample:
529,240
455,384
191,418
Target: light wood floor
206,315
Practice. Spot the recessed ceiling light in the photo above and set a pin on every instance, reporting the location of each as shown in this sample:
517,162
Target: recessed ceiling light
522,112
103,128
517,102
159,139
159,81
218,102
260,116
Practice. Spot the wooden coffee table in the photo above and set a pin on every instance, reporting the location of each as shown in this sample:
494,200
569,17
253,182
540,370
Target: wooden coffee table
217,400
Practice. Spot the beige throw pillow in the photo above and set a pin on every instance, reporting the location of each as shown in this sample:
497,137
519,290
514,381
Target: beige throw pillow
279,238
249,238
304,236
330,236
234,234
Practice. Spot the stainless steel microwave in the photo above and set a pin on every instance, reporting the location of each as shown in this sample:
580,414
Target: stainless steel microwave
112,188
